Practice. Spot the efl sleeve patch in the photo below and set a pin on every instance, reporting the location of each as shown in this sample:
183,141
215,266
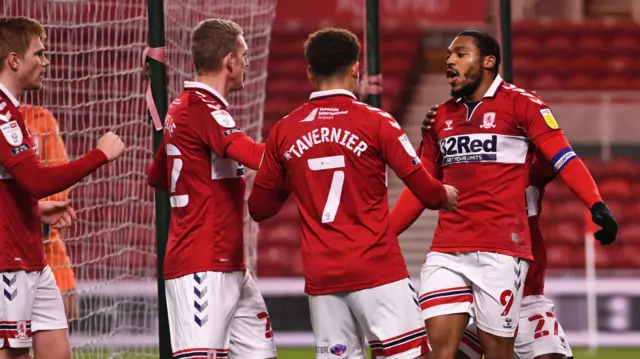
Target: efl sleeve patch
404,140
12,133
548,118
223,118
562,158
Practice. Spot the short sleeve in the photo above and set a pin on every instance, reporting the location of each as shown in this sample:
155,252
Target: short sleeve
215,127
16,144
271,173
395,147
535,117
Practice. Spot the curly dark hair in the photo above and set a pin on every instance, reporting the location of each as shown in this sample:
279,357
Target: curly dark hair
331,51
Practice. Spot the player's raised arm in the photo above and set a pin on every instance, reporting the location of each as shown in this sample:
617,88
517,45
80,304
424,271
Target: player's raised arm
269,192
543,130
400,155
29,172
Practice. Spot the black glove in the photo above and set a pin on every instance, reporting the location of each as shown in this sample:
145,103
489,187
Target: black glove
601,216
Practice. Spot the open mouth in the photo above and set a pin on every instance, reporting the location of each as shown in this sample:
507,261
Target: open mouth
452,76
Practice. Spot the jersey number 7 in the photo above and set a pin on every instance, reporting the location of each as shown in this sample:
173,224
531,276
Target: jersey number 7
335,191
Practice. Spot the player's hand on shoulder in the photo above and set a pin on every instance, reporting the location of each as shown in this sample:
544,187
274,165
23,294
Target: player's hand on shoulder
111,145
452,198
602,216
429,119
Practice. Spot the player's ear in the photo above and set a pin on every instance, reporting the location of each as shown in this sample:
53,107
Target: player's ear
489,62
228,61
12,61
310,76
355,70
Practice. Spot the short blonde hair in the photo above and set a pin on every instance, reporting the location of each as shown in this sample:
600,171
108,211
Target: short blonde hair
16,34
211,41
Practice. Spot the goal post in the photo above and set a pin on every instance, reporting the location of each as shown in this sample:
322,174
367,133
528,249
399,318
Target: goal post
158,87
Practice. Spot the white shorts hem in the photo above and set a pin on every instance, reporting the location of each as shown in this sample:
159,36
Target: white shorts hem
49,326
19,343
259,355
498,333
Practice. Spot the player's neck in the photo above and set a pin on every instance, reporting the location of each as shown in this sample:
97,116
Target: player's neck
334,85
216,82
13,88
478,94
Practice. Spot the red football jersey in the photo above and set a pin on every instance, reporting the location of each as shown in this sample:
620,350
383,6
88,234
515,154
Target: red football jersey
485,153
332,153
542,172
206,188
20,221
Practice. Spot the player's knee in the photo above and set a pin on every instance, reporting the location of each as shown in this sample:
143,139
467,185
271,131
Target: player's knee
500,351
496,347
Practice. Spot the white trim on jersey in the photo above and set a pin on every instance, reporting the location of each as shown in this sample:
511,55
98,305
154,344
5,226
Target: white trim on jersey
13,99
203,86
483,147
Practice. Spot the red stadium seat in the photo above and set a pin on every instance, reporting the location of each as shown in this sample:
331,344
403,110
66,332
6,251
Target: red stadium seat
615,82
615,188
626,168
591,43
582,82
627,255
524,46
560,44
630,232
623,43
566,232
588,64
546,82
560,256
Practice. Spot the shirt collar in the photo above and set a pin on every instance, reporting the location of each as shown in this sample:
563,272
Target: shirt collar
491,92
328,93
205,87
9,95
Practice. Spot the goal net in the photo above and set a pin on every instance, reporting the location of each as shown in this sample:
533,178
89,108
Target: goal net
94,85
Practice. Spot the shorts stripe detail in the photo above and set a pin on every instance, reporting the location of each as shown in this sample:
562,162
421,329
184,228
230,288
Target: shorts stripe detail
446,296
472,341
201,353
15,329
400,344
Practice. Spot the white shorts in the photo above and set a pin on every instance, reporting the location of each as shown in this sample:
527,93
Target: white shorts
31,301
538,332
218,315
451,282
387,316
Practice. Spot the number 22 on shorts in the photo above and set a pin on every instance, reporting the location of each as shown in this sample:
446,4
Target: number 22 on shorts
337,182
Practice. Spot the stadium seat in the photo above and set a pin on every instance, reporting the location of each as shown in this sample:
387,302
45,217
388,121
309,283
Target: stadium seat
591,44
525,46
587,64
560,256
546,82
560,44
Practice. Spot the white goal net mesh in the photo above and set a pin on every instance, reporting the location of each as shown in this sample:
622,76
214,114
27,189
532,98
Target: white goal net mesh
94,85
